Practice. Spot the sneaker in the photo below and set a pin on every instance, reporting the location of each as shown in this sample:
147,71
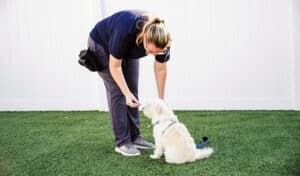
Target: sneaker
128,150
142,144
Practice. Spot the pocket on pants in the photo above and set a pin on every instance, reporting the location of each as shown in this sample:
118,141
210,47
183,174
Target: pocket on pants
100,53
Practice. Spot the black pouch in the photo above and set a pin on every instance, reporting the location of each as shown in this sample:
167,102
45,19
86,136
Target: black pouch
88,59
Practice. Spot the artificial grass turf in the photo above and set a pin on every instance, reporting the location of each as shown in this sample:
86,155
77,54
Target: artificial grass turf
81,143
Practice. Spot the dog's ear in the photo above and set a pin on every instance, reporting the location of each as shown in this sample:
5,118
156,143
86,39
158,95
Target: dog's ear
161,107
146,108
164,109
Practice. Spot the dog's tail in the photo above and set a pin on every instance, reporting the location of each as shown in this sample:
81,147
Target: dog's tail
203,153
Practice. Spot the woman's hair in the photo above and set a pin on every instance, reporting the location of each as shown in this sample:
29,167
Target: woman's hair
156,32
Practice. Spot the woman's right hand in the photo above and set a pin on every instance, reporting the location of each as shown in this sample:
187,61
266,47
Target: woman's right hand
132,101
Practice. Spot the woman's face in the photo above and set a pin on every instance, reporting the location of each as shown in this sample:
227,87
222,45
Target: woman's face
152,49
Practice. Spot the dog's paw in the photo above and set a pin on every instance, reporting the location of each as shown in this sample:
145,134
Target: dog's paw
154,157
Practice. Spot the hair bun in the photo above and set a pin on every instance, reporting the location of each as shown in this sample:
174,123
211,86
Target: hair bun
158,20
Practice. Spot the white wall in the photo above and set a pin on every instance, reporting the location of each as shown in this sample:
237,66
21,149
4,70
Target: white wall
39,47
225,54
296,37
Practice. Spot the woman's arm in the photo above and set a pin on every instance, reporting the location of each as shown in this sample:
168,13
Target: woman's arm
115,68
160,71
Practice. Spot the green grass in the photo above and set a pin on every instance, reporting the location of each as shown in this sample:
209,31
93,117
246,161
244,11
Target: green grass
81,143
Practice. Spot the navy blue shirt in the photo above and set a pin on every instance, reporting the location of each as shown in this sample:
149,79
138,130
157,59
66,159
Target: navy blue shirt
117,34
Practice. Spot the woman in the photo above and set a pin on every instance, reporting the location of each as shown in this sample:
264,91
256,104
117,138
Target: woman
119,41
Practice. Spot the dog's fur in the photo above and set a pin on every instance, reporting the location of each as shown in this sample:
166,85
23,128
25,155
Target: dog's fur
172,139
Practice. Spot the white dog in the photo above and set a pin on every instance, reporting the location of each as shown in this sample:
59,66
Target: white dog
172,137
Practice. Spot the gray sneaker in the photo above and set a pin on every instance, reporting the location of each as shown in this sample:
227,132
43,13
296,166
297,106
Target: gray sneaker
128,150
142,144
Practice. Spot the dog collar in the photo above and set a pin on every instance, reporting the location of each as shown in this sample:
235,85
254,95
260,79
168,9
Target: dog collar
170,124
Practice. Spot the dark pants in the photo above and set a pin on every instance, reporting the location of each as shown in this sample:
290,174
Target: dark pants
124,119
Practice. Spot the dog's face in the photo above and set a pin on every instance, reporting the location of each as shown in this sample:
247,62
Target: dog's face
157,109
153,108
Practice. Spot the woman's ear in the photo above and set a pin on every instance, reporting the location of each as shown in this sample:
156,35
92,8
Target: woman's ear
145,37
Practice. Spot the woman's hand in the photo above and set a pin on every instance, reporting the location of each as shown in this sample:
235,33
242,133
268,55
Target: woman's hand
132,101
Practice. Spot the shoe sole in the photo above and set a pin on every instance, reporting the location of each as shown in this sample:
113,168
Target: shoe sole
126,154
143,147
